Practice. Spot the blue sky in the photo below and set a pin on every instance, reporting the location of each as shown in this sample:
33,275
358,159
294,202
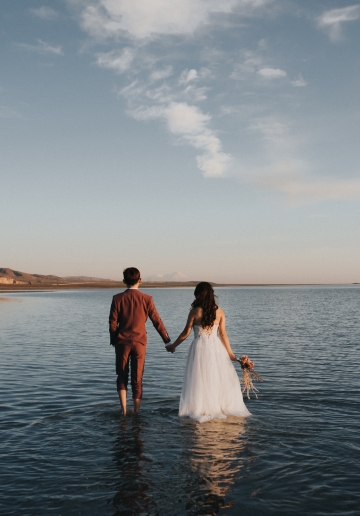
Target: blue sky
218,139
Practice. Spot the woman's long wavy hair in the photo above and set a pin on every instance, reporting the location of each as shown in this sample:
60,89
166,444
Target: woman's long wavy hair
205,299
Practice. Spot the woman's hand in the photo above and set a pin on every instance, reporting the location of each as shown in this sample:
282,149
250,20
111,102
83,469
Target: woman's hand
170,347
232,356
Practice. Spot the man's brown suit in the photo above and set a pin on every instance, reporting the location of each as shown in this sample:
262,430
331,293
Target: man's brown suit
128,315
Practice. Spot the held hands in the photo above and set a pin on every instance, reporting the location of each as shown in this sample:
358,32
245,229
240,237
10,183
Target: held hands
170,347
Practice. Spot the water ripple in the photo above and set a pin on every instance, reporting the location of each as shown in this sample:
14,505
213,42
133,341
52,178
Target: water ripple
66,449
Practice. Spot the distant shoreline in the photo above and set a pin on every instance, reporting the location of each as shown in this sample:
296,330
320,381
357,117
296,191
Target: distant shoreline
45,287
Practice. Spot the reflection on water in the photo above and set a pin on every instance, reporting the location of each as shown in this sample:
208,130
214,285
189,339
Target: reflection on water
215,457
133,494
206,461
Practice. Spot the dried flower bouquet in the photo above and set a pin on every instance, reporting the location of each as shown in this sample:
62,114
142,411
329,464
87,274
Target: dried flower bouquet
249,375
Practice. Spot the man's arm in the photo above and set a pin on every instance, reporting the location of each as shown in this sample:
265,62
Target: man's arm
157,322
113,321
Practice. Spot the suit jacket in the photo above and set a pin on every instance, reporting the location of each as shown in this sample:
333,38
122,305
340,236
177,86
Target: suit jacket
128,315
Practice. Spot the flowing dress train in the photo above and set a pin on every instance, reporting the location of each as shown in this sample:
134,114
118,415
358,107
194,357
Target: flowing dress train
211,387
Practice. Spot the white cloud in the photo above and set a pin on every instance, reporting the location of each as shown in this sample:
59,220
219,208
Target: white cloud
185,119
243,70
252,61
195,94
117,60
187,76
299,82
167,80
172,101
272,73
163,94
144,19
300,188
285,173
45,13
163,73
192,126
274,132
41,48
147,113
332,20
156,89
205,73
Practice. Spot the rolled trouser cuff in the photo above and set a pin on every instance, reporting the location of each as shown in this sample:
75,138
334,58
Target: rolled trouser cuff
137,392
121,385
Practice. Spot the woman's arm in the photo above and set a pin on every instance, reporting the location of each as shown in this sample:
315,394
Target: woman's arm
224,338
184,334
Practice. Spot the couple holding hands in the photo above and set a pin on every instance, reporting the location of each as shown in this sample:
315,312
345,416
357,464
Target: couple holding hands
211,388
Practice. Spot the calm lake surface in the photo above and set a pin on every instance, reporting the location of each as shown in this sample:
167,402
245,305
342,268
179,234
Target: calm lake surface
66,449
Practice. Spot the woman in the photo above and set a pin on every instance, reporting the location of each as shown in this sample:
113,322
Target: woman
211,388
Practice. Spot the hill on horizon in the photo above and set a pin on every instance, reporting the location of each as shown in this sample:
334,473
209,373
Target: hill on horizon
10,277
13,277
85,278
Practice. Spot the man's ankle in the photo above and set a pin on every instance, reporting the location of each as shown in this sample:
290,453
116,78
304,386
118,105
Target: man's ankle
122,399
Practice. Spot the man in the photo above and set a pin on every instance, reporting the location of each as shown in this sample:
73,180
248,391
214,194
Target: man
128,314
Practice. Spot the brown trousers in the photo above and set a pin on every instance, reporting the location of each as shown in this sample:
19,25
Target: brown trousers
135,355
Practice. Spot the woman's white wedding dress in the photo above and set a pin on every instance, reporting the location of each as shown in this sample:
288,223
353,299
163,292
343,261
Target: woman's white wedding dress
211,388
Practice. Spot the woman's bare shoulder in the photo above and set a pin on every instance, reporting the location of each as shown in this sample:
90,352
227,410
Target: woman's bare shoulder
196,312
219,316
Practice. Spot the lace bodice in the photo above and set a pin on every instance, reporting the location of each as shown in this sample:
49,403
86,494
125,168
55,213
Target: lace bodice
199,331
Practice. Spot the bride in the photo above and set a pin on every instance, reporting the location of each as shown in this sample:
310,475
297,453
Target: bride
211,387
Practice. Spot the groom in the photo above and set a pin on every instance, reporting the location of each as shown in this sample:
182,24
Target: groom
128,314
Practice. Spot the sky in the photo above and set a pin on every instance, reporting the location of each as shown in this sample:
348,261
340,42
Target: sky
219,139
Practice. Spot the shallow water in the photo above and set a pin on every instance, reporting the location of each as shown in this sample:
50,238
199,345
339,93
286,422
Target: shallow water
66,450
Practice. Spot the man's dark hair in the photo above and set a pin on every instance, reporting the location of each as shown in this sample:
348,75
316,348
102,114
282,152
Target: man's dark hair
131,276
